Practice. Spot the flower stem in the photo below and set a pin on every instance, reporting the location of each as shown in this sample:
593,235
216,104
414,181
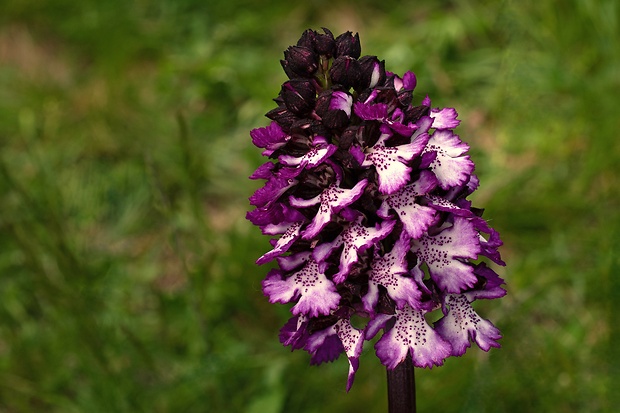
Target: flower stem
401,388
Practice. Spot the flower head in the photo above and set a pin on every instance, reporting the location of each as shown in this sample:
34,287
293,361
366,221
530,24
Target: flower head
367,195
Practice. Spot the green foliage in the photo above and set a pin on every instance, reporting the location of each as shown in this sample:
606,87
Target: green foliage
127,273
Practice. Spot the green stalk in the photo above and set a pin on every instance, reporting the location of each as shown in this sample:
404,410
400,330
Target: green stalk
401,387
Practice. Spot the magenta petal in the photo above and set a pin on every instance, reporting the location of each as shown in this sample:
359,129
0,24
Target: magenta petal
294,333
357,153
371,111
489,246
271,191
264,171
443,252
409,80
270,137
324,346
411,333
462,323
273,214
451,166
316,294
444,118
491,284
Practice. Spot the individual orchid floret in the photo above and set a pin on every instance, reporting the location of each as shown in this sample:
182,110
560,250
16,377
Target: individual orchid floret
409,334
366,200
416,218
443,254
461,323
289,235
391,271
357,238
317,154
331,200
450,164
329,343
276,186
314,293
407,82
270,137
391,162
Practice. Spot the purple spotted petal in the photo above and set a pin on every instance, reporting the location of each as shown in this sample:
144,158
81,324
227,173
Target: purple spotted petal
292,262
451,166
357,238
286,240
390,162
322,251
388,272
352,340
441,204
270,137
316,294
411,333
443,252
444,118
462,323
416,218
332,200
320,151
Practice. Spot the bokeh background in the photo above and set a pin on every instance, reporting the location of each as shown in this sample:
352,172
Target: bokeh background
127,275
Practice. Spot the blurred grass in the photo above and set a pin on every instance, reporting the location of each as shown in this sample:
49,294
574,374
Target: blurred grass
127,279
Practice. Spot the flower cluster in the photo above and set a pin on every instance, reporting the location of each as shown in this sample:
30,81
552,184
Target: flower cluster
366,193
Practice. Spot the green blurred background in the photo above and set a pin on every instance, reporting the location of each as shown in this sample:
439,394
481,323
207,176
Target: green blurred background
127,275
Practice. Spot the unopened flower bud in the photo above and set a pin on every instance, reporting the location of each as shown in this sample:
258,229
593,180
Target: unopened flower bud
348,45
346,71
300,61
325,43
373,71
299,95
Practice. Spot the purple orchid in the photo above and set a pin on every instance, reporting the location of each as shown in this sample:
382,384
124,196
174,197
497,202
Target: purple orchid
367,196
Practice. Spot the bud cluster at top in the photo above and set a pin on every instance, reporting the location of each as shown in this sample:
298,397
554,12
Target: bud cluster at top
366,194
